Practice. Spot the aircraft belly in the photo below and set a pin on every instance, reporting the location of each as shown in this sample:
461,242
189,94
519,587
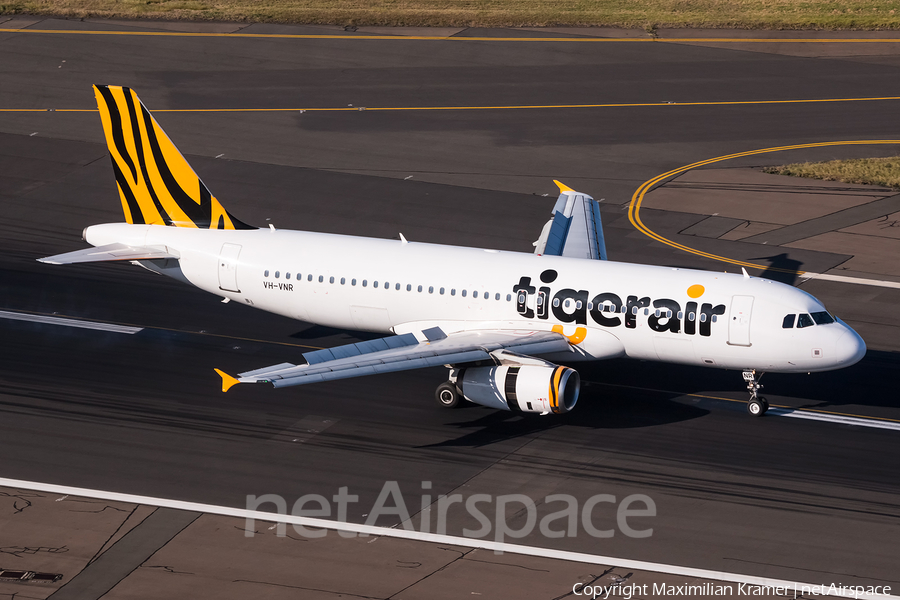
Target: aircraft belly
677,349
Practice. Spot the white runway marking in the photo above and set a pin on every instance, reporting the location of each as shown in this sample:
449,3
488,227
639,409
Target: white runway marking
833,418
842,279
419,536
17,316
779,411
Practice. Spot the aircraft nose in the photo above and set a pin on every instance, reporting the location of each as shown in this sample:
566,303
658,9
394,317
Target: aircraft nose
850,347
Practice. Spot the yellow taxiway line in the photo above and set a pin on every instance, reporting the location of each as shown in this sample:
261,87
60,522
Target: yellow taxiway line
634,208
498,107
407,38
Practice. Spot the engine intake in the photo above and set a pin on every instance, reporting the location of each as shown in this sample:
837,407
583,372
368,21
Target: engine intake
533,389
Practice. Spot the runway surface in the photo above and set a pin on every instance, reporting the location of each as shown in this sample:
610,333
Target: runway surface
140,412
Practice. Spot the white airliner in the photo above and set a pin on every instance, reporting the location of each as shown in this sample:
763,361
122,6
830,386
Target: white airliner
498,320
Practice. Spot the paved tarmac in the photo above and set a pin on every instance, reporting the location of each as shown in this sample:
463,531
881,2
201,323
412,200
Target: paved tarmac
141,413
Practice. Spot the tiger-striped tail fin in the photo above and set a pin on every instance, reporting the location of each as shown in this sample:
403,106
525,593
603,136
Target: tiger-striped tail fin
156,184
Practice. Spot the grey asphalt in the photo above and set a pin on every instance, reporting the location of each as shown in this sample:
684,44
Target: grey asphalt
126,555
142,414
834,221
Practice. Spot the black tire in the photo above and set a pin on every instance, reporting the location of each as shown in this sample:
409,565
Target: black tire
756,408
765,404
447,396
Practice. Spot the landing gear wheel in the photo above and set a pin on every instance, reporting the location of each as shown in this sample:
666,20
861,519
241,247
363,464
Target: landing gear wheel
447,395
757,407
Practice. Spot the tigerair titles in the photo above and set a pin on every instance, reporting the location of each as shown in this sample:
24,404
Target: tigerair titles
607,309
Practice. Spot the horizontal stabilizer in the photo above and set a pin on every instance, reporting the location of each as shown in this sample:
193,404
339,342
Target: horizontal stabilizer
110,252
575,231
404,352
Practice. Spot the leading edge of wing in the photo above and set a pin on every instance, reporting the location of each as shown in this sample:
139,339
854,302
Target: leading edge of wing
402,353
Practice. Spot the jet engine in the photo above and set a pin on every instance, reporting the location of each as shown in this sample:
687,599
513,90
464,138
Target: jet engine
533,389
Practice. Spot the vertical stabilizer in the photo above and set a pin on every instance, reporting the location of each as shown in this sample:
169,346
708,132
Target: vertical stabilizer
156,184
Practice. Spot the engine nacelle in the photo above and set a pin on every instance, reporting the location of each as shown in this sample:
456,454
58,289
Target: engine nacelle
534,389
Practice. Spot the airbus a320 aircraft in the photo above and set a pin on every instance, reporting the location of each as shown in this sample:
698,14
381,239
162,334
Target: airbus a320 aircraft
500,321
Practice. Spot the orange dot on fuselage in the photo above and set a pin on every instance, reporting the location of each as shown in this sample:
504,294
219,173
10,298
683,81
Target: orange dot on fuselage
695,291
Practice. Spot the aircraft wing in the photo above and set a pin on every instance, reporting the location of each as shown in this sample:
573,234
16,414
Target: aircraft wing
405,352
575,231
109,252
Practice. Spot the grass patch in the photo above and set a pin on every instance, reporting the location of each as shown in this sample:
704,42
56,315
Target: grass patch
649,14
875,171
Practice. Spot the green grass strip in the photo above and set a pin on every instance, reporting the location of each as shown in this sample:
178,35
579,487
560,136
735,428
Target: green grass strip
874,171
647,14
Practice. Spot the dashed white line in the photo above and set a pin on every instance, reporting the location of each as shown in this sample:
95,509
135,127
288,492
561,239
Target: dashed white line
17,316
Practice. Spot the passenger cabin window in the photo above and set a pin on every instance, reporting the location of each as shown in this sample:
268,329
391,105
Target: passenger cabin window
804,321
496,296
509,297
266,273
321,278
352,282
277,274
464,293
822,318
788,322
331,280
452,291
309,277
397,287
442,291
420,288
365,282
343,280
430,289
475,293
287,275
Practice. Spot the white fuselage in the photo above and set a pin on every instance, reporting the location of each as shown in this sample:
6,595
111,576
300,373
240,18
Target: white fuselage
717,319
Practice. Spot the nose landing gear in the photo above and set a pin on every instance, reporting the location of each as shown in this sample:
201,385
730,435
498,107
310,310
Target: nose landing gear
757,405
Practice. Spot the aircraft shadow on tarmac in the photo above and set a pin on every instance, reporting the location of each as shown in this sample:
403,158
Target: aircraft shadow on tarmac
624,394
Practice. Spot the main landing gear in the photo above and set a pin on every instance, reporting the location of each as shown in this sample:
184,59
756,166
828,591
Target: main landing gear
447,395
757,405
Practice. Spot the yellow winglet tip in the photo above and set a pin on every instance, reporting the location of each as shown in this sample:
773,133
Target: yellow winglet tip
562,187
228,381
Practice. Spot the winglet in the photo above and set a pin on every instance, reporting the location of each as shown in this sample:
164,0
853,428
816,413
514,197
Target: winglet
562,187
744,271
227,380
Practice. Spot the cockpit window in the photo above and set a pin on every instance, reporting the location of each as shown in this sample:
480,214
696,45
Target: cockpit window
788,322
822,318
804,321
